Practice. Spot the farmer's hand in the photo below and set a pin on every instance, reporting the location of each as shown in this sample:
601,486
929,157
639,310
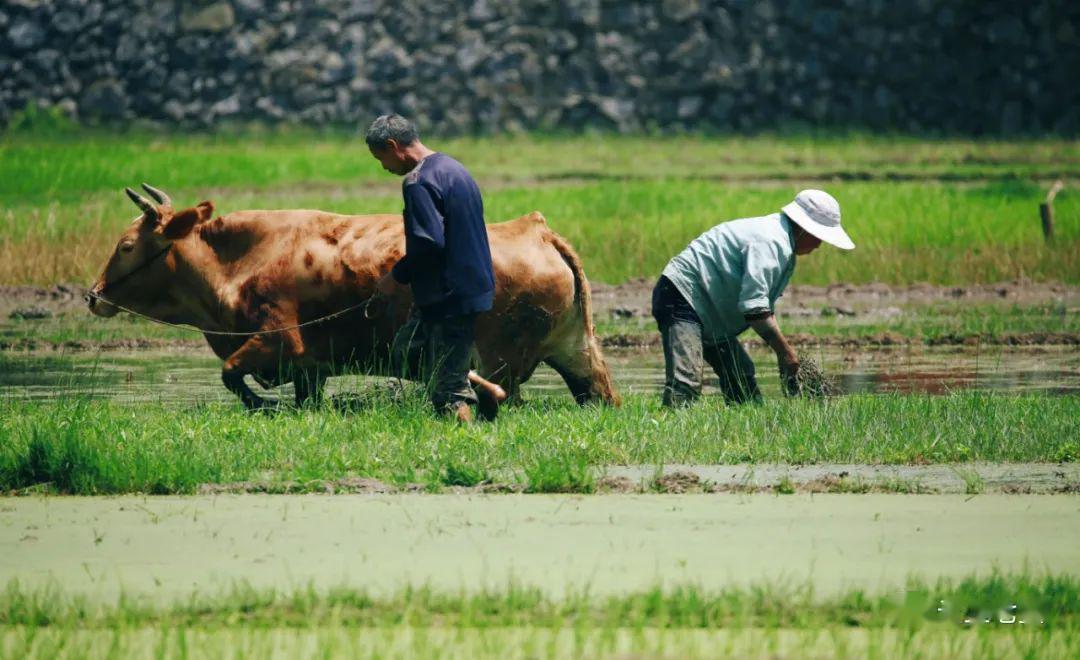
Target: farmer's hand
380,300
789,372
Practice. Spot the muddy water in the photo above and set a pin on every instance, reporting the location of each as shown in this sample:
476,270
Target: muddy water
194,375
171,546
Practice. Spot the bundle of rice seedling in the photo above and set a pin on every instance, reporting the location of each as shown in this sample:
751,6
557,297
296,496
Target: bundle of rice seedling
813,383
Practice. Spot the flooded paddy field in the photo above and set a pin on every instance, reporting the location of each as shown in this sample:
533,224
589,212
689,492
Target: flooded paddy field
540,576
191,374
612,545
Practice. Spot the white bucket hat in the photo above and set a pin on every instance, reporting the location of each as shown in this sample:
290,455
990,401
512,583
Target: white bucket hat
818,213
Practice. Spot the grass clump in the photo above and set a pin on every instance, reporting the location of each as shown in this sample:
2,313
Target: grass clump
940,619
96,447
1050,600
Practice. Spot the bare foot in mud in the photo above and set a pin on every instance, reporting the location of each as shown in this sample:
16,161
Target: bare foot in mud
463,414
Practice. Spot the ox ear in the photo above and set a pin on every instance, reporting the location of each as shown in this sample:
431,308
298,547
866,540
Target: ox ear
181,224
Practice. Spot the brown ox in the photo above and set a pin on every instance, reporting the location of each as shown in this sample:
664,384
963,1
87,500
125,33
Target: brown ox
252,271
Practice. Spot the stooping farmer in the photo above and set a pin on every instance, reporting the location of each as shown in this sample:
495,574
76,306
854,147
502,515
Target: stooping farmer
727,280
447,263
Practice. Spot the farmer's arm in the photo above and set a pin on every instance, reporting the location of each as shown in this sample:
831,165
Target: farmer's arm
760,267
769,331
424,237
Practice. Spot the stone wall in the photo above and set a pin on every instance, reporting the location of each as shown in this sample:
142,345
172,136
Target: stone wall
967,66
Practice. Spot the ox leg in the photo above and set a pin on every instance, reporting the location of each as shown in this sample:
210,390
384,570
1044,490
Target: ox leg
252,357
509,378
234,382
309,386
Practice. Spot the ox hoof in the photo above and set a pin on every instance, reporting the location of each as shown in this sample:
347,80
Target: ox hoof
266,407
488,399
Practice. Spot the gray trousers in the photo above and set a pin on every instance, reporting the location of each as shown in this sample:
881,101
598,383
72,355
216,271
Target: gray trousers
437,352
685,354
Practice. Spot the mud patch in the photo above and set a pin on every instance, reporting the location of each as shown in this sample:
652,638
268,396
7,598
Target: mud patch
874,340
351,486
678,482
80,345
969,479
623,485
344,486
633,298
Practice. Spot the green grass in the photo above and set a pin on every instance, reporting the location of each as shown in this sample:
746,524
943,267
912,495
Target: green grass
88,447
1055,599
627,203
523,622
40,168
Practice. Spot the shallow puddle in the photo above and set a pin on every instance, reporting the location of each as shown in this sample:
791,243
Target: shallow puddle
193,376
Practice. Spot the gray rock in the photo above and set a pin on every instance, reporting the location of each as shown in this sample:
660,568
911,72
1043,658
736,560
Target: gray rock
104,99
617,110
270,108
561,41
481,11
586,12
227,107
359,9
249,8
173,110
472,55
681,10
216,17
689,106
25,34
66,22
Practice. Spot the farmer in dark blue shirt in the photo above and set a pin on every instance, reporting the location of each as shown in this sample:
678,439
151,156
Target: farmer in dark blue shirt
447,263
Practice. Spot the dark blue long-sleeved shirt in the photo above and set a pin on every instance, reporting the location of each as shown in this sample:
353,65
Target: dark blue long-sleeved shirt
447,258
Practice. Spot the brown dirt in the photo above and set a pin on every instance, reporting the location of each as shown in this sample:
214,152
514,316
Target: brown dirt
636,294
76,345
676,483
355,485
633,298
1009,479
616,485
876,340
348,486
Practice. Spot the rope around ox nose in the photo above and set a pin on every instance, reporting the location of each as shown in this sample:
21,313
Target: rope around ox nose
192,328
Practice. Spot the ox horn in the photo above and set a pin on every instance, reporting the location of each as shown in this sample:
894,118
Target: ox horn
147,208
159,195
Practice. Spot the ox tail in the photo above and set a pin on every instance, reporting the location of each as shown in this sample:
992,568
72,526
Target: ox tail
601,385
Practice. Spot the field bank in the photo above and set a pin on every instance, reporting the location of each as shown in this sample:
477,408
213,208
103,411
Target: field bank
170,547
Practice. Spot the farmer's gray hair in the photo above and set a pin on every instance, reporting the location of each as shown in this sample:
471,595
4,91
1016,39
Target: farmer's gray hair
391,127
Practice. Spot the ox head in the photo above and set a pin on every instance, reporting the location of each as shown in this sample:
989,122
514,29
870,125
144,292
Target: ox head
136,270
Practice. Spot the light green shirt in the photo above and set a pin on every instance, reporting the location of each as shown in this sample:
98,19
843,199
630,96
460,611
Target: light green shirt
733,269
